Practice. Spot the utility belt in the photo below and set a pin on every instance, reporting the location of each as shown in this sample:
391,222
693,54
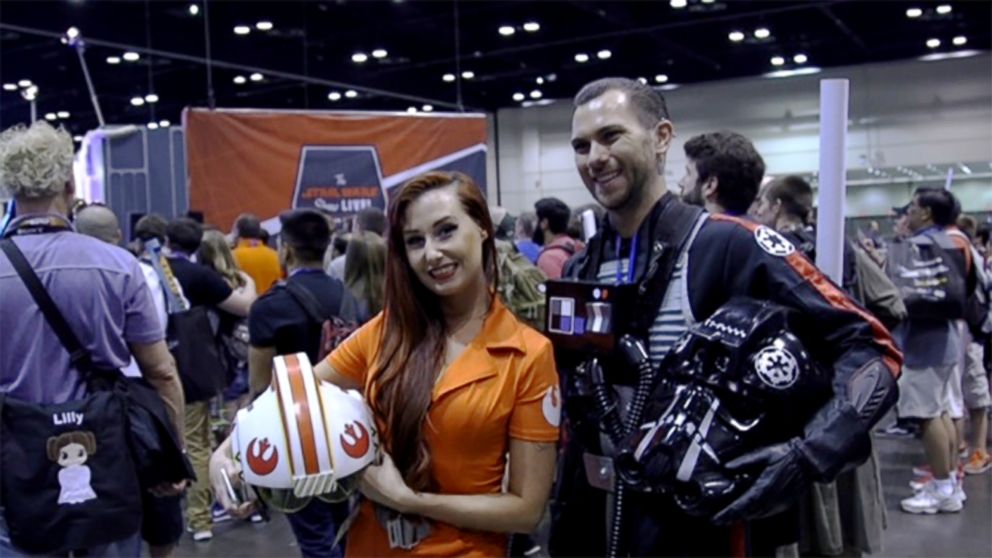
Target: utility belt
404,531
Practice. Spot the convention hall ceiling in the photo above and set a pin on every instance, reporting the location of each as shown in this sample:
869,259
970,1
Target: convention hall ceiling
149,59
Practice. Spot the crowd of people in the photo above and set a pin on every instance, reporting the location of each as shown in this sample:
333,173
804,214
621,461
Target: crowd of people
489,424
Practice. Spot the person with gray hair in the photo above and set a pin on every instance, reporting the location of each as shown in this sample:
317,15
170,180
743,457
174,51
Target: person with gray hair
84,277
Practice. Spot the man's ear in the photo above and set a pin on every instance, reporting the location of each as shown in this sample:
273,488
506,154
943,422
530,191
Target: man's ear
711,188
664,132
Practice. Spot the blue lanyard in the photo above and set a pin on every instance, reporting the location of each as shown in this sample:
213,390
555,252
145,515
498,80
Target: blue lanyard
630,261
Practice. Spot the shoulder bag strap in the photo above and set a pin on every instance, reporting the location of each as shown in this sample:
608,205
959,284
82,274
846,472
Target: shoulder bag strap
78,354
307,300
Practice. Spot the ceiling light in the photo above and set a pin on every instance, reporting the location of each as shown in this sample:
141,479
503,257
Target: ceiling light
448,77
535,94
581,58
762,33
77,139
164,123
194,9
507,30
334,96
241,29
239,79
50,116
914,12
552,77
799,59
777,60
151,98
137,101
965,168
539,80
708,1
736,36
113,60
10,87
806,70
63,114
660,78
359,57
131,56
72,32
933,43
518,96
264,26
380,53
256,77
153,125
949,55
643,80
960,40
25,83
944,9
427,108
411,110
30,93
604,54
678,3
468,74
532,27
351,93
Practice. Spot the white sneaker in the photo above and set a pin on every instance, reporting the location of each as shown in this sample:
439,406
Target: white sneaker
959,491
203,536
930,501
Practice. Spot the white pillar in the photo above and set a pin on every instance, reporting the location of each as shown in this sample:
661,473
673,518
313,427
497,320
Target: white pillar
833,167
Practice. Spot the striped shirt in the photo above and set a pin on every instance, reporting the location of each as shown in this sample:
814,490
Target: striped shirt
670,323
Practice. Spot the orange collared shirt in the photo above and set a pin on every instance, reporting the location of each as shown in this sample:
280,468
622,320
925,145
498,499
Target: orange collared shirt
504,385
259,261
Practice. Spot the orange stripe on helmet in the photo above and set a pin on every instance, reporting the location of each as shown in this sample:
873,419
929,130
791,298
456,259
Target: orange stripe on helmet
308,442
892,357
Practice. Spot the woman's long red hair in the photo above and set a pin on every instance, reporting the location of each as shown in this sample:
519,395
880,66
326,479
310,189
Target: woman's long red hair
413,339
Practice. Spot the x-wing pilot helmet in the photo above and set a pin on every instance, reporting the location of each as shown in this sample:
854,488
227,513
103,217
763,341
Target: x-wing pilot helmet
736,382
303,437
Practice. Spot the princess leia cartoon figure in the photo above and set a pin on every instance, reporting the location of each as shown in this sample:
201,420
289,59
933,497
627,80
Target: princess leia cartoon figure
71,450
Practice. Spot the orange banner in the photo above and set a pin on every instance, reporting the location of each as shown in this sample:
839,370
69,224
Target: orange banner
264,162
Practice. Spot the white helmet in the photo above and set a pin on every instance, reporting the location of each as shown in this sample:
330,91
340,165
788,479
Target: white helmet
304,434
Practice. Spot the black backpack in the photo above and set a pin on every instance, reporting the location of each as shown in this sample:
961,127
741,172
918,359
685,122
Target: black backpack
929,271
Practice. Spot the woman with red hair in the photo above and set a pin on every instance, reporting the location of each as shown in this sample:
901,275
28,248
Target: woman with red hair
457,385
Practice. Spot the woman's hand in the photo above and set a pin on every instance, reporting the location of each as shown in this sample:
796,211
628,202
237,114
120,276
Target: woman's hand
383,484
221,462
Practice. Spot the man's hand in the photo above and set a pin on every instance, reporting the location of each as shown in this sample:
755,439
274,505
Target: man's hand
782,479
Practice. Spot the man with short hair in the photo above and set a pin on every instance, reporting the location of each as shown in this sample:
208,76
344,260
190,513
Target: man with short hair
621,132
84,277
278,325
553,217
933,346
723,172
252,254
162,518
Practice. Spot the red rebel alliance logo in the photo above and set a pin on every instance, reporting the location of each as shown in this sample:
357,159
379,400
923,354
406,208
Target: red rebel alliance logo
354,442
257,462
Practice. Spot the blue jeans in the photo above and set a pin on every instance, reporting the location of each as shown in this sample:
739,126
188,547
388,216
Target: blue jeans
127,547
315,527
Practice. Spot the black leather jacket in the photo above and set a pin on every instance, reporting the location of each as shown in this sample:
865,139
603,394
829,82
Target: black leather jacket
733,257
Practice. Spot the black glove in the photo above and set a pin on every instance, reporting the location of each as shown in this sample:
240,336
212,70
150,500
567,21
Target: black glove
782,479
